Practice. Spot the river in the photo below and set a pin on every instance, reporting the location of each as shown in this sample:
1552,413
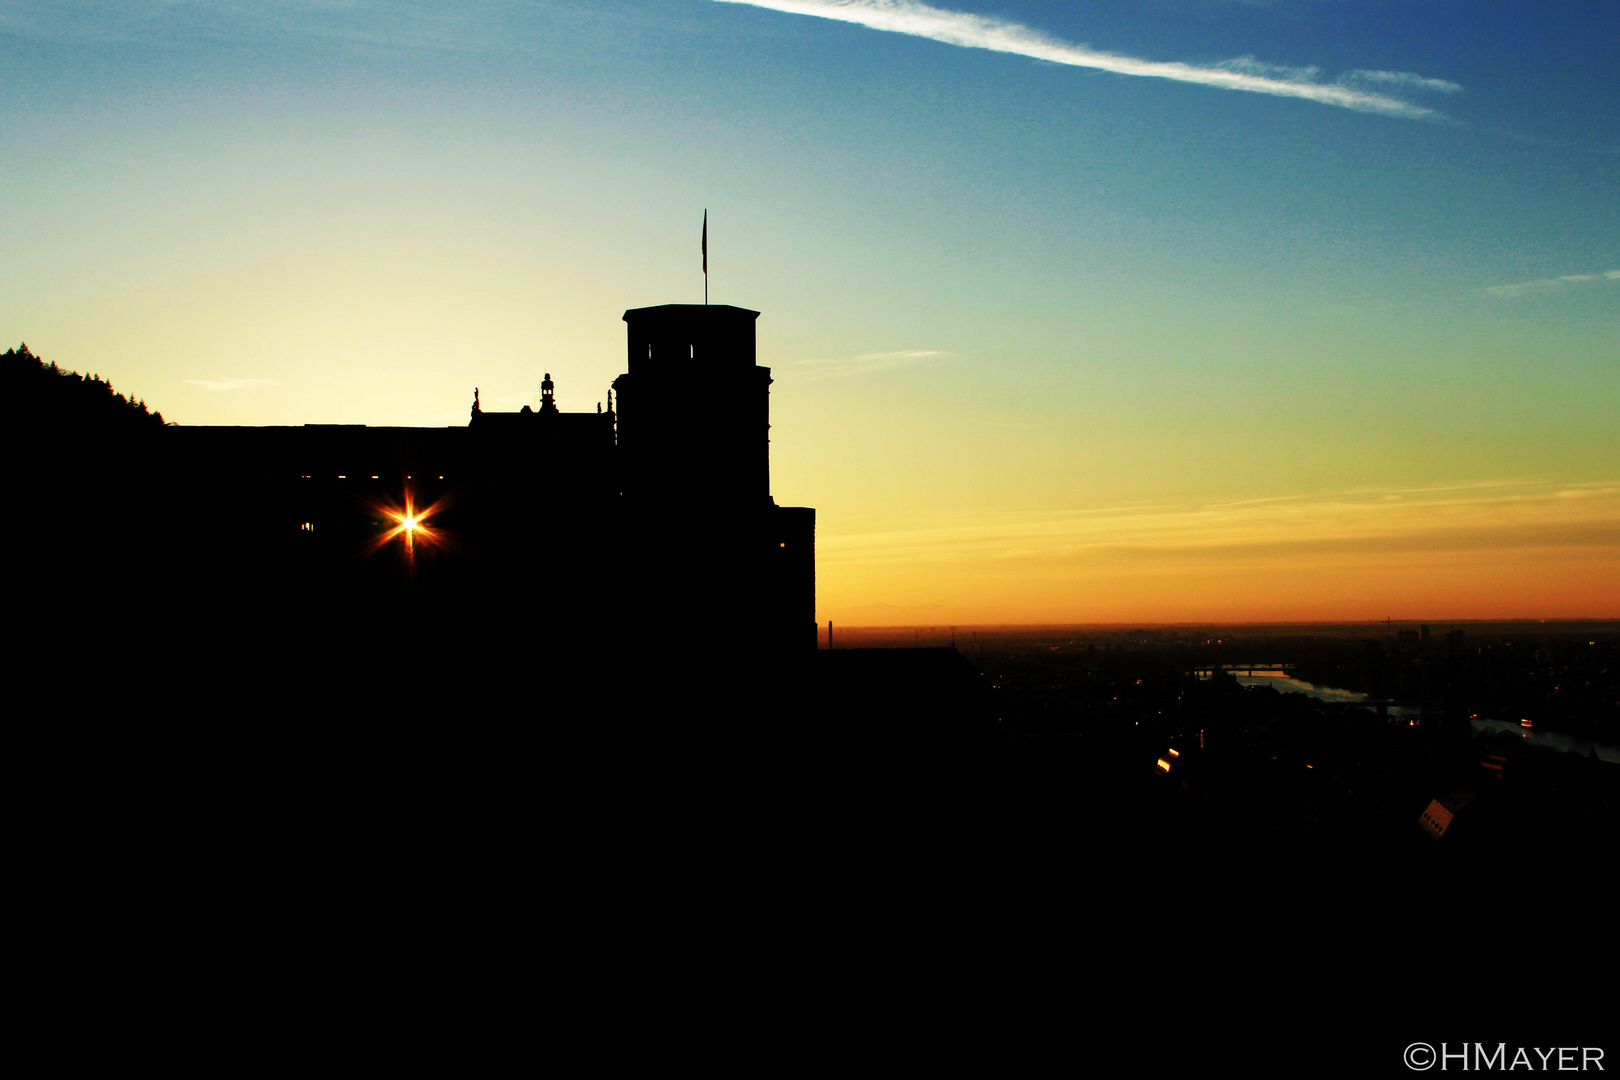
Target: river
1549,740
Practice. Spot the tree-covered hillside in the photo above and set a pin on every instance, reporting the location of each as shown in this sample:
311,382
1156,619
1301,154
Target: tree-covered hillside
44,396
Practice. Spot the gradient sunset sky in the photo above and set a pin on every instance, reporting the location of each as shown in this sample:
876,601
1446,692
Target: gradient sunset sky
1146,311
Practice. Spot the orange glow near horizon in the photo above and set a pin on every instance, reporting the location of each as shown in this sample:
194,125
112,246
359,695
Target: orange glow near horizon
1505,551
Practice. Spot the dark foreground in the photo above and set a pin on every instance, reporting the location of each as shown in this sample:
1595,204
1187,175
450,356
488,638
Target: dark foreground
853,843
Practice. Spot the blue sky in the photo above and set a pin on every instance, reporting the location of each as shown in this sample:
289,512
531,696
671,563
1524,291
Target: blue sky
996,289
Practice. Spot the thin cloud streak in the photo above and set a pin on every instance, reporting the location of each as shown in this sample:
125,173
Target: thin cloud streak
864,363
167,23
1400,78
1486,516
215,385
903,354
1244,73
1525,288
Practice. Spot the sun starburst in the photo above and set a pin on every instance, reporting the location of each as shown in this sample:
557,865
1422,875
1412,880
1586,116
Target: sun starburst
408,524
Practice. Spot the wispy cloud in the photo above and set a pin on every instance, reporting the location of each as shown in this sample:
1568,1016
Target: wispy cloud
863,363
1364,91
1330,527
175,22
1482,550
228,384
891,357
1403,79
1526,288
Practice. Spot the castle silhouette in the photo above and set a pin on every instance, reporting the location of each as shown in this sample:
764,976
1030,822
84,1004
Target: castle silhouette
622,523
628,566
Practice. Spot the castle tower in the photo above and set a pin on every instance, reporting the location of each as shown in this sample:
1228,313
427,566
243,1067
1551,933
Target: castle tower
694,408
694,458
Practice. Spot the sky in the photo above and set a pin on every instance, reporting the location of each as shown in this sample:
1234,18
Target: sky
1145,311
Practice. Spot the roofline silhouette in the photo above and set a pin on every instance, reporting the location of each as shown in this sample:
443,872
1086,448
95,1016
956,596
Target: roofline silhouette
687,307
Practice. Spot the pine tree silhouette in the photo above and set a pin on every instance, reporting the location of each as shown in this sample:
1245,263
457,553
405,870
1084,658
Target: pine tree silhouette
46,397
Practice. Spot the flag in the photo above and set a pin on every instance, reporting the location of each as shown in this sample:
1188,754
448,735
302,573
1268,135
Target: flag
705,241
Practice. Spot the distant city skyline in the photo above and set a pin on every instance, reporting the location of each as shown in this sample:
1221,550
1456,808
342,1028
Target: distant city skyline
1162,311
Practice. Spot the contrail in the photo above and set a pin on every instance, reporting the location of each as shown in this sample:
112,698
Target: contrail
998,35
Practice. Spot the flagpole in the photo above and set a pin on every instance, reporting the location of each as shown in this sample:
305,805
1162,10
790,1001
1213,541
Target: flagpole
705,257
